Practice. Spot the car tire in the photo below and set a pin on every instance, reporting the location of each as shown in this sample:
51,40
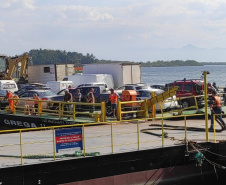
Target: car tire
108,111
185,104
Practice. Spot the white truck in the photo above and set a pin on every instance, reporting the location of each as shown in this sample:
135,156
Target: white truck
122,73
80,78
8,85
57,86
49,72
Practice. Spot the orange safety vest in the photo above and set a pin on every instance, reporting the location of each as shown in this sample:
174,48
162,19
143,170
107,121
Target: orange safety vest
113,98
217,102
10,95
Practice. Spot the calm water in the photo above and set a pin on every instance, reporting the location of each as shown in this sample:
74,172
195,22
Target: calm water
163,75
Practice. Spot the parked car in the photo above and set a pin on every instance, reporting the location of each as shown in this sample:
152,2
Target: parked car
8,85
162,87
103,85
43,94
135,87
170,103
30,87
188,88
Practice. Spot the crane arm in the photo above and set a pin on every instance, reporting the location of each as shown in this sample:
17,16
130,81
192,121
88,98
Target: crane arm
12,62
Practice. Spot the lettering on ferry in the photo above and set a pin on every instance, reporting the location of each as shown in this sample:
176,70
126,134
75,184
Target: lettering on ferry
20,123
52,121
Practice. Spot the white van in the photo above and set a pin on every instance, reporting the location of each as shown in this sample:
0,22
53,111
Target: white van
79,79
8,85
57,86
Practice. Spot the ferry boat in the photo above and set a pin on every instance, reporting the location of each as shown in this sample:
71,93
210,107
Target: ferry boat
114,152
113,158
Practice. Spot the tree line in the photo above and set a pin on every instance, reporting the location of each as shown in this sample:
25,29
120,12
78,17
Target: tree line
47,56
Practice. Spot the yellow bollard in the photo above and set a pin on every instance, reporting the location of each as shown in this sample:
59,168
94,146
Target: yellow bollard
103,111
39,108
119,113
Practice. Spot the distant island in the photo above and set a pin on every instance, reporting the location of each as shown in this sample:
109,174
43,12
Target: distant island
48,56
173,63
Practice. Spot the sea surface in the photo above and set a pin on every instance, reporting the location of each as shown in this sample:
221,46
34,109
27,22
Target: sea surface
163,75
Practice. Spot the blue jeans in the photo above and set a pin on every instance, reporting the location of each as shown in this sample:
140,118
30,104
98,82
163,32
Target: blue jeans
114,106
217,110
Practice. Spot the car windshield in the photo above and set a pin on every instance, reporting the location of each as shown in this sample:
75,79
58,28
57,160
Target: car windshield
47,93
61,92
142,87
129,88
144,94
8,86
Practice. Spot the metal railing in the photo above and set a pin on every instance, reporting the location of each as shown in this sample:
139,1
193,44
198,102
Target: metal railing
59,109
104,135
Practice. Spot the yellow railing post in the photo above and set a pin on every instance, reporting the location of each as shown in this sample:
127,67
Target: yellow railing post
138,135
21,149
146,108
185,128
83,139
62,110
206,109
103,112
74,111
119,113
214,131
39,108
196,104
59,110
161,108
162,133
14,108
153,107
54,152
112,144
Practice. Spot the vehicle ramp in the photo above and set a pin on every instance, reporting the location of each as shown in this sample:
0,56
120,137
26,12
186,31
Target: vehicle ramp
150,104
161,97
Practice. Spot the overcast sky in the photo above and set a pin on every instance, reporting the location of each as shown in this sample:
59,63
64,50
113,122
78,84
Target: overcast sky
111,29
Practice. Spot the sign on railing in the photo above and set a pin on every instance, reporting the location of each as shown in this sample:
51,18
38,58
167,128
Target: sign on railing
68,138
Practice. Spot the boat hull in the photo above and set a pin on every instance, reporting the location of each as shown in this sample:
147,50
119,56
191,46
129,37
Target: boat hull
169,165
11,121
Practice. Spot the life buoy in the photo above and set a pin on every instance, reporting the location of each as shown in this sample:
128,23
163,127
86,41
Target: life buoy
15,102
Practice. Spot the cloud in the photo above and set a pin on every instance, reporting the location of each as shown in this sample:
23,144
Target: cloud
2,27
6,4
81,13
112,26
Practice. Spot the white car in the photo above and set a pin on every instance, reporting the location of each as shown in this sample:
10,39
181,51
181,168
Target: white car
135,87
168,104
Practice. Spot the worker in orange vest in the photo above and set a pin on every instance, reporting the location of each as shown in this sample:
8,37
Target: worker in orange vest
10,95
215,108
114,99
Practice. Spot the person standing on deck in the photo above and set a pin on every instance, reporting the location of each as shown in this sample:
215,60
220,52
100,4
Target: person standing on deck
78,98
215,108
68,98
91,99
36,98
10,95
114,99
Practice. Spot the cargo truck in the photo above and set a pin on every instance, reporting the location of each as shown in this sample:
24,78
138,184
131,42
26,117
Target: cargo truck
122,73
